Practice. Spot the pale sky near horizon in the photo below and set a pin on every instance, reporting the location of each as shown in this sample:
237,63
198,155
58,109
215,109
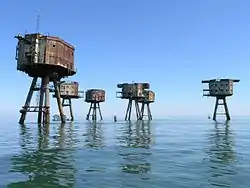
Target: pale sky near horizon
172,44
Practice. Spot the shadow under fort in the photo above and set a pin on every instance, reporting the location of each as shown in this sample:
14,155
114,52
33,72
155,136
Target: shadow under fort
45,162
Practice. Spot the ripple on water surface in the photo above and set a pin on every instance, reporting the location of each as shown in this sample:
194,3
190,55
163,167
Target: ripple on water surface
164,153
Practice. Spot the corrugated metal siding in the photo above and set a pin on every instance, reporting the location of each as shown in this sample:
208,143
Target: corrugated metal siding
42,47
95,95
28,53
45,49
58,53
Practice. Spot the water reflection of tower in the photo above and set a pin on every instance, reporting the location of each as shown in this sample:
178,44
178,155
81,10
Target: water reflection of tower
135,154
94,135
66,137
44,164
221,155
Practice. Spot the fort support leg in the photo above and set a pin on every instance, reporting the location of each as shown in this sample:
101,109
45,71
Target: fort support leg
94,112
128,111
99,110
149,112
226,109
87,118
138,113
215,108
142,111
47,101
41,101
71,110
27,102
58,98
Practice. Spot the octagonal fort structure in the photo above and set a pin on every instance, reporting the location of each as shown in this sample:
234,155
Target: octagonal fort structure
94,97
132,92
69,90
49,59
220,89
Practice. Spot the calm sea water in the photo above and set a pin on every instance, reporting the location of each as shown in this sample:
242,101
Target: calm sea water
162,153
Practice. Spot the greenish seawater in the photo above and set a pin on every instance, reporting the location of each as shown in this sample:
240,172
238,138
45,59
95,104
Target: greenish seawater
172,153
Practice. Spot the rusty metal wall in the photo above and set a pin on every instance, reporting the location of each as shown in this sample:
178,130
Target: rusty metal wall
134,90
150,96
59,53
20,55
69,89
221,87
39,49
146,85
95,95
27,51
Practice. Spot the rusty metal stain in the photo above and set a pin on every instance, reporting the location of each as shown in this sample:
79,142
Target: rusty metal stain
59,52
69,88
95,95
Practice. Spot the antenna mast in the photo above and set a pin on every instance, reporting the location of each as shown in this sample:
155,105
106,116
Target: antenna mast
38,21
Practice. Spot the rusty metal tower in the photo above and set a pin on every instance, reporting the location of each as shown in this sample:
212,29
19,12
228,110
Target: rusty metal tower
220,89
132,92
94,97
47,58
69,90
149,97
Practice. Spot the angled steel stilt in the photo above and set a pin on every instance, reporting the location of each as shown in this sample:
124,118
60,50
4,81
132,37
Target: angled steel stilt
224,103
93,108
129,110
27,102
149,115
58,99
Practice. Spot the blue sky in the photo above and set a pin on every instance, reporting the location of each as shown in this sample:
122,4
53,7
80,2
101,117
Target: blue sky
173,45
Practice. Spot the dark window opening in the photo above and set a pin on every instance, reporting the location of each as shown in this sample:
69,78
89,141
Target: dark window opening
54,45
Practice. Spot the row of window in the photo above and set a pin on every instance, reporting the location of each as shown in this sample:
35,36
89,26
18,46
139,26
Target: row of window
100,95
221,91
97,98
221,84
68,92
